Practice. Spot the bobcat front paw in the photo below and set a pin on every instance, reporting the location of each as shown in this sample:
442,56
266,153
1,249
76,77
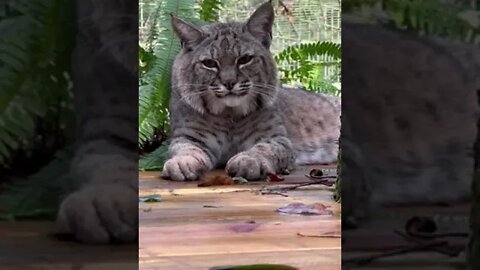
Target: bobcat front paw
100,214
181,168
249,166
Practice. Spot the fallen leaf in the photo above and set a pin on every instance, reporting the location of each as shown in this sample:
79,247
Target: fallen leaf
304,209
239,180
255,267
274,178
149,198
244,227
217,180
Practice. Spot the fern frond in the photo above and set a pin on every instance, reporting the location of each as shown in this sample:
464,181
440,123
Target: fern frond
209,10
33,36
305,64
308,50
427,17
154,92
154,160
40,194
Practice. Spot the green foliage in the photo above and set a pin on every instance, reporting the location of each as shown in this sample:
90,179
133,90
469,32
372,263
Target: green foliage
39,195
209,10
35,101
427,17
154,88
33,71
154,160
306,63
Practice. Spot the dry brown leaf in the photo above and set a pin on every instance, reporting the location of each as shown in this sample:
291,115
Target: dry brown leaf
217,180
274,178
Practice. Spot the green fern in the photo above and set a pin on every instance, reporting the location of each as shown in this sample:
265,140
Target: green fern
39,195
154,92
306,50
32,46
154,160
35,98
209,10
305,64
427,17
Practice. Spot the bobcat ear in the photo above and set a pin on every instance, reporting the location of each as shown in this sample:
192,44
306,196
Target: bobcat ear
261,22
186,32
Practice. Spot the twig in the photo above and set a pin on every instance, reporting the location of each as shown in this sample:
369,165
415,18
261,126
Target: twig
323,181
286,10
211,206
273,193
368,259
320,236
442,249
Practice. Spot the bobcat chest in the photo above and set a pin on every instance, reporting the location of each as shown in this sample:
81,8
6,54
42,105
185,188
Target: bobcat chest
233,137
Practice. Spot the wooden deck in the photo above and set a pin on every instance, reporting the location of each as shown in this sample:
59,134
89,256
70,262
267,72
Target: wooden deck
27,245
202,227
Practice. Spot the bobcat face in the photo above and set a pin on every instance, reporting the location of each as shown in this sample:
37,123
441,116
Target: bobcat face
226,65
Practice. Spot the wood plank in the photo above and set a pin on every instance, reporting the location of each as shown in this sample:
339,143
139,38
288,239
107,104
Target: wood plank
27,245
302,259
201,227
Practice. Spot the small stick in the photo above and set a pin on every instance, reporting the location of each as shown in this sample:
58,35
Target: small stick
319,182
273,193
368,259
442,250
319,236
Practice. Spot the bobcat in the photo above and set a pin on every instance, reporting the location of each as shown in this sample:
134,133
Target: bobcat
227,108
103,204
409,118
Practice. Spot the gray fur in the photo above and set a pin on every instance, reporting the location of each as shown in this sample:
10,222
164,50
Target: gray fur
408,118
103,204
227,108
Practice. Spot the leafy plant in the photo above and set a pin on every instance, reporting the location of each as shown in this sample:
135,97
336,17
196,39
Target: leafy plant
427,17
154,160
35,103
305,63
39,195
33,72
209,10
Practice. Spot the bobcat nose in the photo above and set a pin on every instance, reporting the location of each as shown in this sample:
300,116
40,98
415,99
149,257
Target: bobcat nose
229,84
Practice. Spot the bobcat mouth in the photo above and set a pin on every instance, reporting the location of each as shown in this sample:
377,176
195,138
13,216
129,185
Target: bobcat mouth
239,94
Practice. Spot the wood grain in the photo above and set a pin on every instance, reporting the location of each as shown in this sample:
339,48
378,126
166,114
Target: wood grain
198,228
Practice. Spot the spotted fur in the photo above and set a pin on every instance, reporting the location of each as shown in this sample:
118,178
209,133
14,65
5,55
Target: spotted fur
408,118
227,108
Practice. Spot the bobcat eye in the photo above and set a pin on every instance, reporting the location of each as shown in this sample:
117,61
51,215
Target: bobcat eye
209,63
244,59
